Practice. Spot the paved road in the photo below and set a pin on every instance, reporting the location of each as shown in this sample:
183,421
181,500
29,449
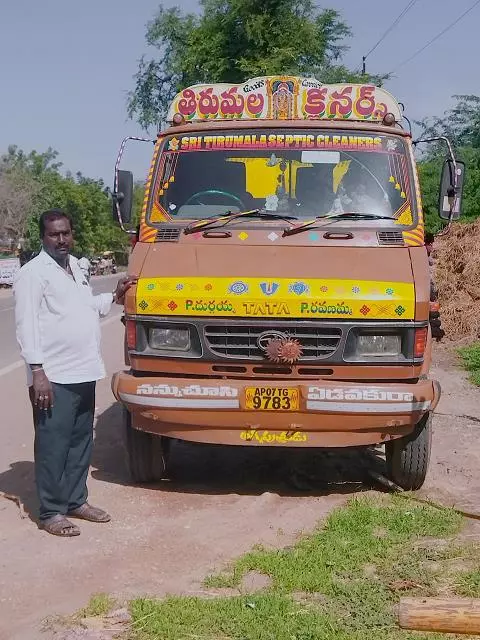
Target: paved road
9,351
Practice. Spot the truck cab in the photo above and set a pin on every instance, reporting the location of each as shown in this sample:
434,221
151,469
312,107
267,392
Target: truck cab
284,289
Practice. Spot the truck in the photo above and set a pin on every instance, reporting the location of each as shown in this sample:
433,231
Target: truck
284,291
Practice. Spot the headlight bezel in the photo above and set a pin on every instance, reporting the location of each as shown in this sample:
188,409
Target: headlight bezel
143,347
166,346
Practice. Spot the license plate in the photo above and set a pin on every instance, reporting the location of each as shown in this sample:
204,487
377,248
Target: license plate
271,399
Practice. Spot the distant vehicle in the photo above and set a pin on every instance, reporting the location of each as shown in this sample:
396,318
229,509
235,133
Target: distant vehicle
103,264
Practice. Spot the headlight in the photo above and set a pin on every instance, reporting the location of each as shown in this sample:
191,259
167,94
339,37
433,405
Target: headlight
369,346
169,339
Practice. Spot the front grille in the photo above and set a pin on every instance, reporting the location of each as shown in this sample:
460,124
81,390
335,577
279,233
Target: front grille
390,237
168,234
240,341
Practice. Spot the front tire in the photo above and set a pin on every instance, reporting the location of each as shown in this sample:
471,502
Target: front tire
408,457
147,453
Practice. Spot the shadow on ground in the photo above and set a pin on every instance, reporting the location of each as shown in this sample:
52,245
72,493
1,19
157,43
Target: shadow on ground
214,469
19,482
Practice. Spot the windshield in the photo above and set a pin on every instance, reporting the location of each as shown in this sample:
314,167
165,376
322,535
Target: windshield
305,175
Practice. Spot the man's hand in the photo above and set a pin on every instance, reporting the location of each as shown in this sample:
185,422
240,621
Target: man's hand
42,390
123,286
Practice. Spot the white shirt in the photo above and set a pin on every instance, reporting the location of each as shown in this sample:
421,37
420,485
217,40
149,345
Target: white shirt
57,320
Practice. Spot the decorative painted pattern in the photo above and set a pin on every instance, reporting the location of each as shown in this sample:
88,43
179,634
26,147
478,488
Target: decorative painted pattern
276,297
416,237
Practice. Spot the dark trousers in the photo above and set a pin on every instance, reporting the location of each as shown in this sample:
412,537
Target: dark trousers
63,448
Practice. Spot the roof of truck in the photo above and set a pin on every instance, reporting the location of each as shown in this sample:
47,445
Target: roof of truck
283,98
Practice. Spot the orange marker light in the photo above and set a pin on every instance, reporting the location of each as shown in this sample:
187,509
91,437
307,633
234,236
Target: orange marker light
420,342
388,119
131,331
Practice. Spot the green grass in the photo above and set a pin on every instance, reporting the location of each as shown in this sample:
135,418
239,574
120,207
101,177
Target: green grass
469,584
100,604
471,361
341,582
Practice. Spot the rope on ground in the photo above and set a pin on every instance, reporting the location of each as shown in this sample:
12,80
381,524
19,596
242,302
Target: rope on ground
436,505
381,479
456,415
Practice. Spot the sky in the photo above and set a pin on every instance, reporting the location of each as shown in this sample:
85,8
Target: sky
66,68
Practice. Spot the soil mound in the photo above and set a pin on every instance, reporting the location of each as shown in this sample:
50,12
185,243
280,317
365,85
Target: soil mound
457,277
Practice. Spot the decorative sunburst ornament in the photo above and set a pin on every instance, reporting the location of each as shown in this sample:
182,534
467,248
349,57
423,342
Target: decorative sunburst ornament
285,350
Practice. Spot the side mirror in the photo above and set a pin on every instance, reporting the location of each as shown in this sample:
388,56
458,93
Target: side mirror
123,196
451,190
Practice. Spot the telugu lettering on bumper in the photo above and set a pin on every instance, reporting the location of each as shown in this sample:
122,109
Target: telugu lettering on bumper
324,397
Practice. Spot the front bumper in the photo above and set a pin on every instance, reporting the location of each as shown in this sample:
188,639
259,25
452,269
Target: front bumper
330,413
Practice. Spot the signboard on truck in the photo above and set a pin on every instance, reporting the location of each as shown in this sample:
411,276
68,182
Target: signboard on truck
284,98
8,269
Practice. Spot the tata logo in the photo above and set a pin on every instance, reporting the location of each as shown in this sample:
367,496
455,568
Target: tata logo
265,338
269,288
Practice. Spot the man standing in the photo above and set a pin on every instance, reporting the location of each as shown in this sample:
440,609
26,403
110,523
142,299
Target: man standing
84,264
58,329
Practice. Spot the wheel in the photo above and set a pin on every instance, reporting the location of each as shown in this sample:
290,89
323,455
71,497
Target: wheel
408,457
147,453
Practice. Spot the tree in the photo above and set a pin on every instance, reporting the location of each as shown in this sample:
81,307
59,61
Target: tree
89,204
461,125
31,183
137,206
18,193
233,40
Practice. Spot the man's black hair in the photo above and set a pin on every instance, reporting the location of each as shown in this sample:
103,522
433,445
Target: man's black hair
53,214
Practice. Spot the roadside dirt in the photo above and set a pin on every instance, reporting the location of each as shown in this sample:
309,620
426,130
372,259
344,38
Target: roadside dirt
216,505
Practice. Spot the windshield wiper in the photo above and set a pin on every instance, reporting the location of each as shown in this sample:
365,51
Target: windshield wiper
335,216
215,222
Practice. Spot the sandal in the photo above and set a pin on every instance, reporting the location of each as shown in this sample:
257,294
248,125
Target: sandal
59,526
92,514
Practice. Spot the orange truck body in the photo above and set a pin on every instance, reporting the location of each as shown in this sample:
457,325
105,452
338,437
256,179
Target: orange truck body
241,289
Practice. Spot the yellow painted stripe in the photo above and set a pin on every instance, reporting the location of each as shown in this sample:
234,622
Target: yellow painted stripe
281,297
147,237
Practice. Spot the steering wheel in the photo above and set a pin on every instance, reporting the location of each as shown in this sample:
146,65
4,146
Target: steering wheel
194,199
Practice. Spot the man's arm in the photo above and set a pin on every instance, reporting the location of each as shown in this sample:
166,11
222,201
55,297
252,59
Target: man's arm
28,292
103,301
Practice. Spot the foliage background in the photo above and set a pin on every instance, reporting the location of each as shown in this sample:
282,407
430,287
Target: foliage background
34,183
